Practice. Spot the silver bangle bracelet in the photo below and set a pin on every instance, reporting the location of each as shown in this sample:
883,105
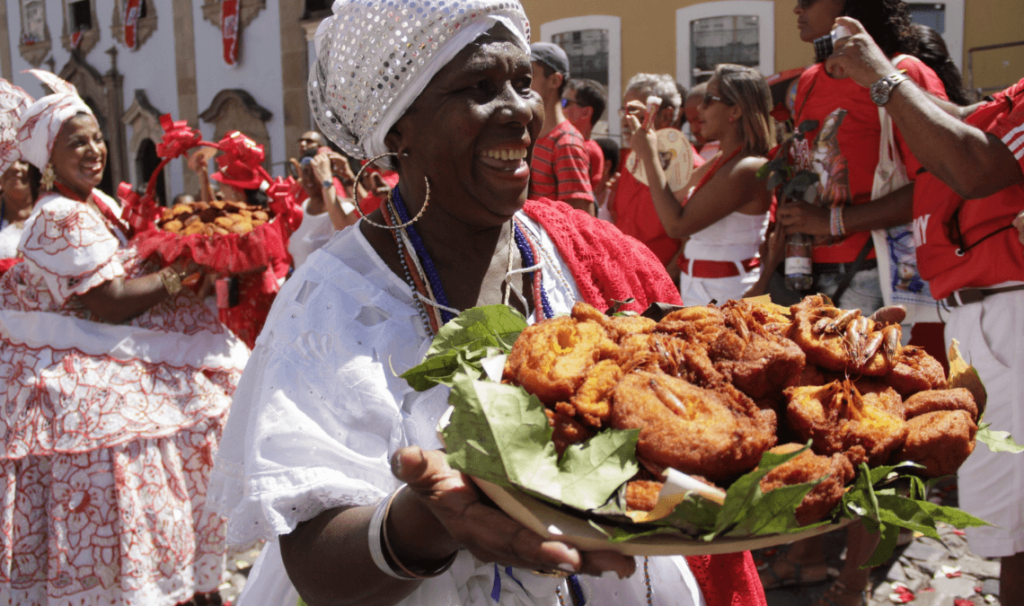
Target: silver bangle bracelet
376,540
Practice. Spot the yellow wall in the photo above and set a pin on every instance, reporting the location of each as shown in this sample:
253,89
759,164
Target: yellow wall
994,22
649,34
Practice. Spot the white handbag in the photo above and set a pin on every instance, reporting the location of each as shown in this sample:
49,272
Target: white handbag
894,246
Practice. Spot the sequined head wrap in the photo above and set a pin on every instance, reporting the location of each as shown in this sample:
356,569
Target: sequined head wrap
13,103
42,120
375,57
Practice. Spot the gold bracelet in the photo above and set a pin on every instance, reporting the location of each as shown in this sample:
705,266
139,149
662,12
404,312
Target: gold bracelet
171,280
425,574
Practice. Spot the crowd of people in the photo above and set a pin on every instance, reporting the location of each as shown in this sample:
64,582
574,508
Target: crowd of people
157,411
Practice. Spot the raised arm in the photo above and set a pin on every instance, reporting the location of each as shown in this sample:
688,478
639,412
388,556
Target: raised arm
973,163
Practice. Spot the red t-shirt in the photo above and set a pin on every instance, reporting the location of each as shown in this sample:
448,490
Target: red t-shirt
560,169
843,150
596,163
991,256
635,214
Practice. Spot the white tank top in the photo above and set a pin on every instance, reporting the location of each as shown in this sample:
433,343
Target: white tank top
735,237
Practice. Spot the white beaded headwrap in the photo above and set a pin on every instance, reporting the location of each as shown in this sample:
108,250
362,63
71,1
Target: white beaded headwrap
375,57
13,103
42,121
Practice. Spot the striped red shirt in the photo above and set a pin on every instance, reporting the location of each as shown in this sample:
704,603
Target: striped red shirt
560,169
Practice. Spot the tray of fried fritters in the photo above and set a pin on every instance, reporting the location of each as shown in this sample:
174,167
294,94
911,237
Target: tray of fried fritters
712,388
216,218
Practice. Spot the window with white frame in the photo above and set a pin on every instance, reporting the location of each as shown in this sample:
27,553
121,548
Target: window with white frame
947,18
730,31
594,46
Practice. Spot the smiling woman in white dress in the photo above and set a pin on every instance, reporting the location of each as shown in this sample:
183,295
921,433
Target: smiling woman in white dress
116,383
327,448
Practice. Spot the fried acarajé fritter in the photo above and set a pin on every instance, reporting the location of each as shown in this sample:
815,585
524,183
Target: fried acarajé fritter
844,341
840,419
940,399
551,359
941,441
809,467
566,430
915,370
692,429
756,361
642,495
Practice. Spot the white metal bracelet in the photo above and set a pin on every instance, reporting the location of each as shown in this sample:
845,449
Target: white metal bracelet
377,544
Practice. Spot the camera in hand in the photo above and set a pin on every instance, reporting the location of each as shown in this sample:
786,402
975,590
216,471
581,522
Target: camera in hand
825,45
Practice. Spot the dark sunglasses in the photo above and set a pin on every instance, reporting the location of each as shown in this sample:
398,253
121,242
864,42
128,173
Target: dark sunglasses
568,102
709,99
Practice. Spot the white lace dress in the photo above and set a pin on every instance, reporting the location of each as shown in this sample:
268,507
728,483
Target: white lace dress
321,409
10,235
107,432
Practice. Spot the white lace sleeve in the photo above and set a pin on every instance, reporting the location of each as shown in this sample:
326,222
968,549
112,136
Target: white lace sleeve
320,408
68,243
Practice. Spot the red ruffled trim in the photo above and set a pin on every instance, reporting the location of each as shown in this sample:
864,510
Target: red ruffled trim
609,265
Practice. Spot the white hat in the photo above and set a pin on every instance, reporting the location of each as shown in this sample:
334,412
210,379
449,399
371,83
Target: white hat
375,57
13,103
41,122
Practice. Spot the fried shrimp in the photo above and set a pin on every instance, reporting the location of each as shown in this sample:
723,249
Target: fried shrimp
840,419
941,441
551,359
915,370
695,430
593,399
758,362
842,340
809,467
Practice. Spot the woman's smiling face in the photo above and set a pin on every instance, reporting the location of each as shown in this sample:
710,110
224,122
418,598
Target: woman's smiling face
79,154
471,132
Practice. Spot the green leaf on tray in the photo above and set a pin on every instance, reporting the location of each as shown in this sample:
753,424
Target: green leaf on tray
513,446
463,342
997,441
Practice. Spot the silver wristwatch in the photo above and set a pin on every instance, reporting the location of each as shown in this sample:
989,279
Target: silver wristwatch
881,90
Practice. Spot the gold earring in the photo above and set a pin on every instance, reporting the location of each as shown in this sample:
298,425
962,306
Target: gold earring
49,176
355,192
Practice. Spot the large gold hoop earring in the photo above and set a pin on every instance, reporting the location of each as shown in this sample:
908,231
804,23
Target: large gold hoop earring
355,192
48,177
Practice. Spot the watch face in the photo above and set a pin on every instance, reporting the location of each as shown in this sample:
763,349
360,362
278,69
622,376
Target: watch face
880,92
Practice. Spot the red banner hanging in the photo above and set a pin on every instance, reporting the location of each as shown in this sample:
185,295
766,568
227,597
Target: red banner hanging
76,38
131,22
229,30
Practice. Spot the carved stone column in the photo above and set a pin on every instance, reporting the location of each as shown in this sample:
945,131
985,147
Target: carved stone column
117,157
295,72
185,68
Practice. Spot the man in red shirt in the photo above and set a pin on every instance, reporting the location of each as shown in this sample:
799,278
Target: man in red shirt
632,206
583,103
969,249
560,168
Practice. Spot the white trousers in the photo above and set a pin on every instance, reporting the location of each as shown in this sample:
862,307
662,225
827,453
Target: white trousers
991,336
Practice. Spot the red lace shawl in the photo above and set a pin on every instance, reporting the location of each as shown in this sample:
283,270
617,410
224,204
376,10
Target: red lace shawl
607,266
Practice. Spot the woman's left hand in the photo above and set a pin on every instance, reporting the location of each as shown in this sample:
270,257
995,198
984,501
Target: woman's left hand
484,529
804,218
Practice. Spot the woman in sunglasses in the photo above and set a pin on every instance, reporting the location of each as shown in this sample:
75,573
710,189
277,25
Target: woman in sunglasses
724,208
